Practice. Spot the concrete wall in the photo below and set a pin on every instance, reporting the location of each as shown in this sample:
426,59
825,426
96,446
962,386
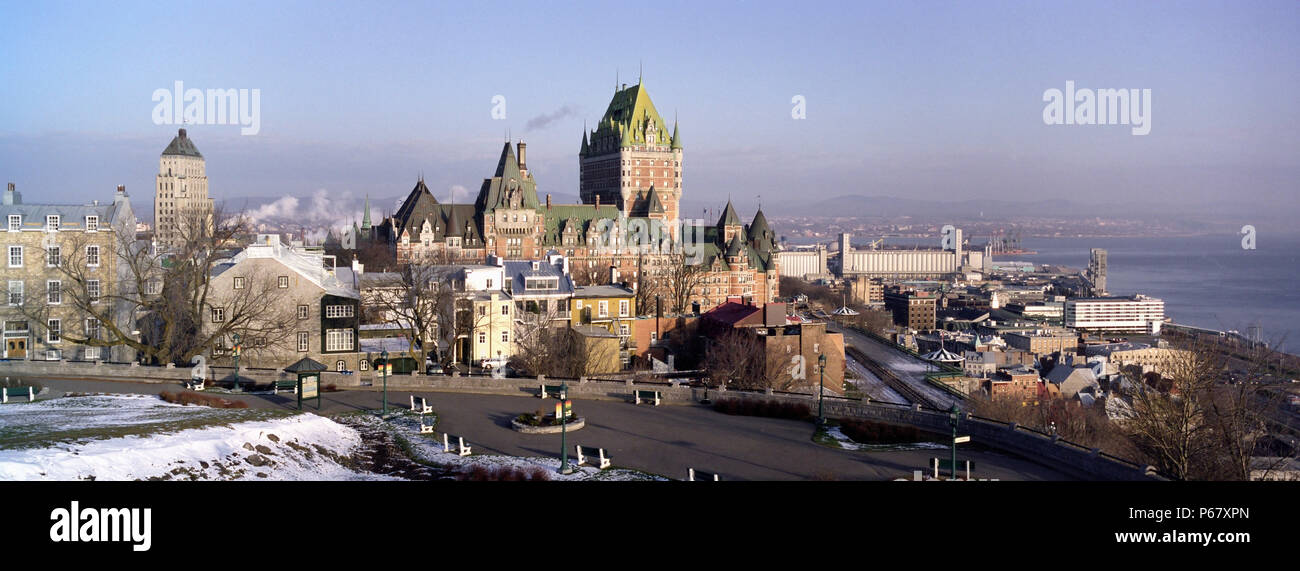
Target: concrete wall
1050,451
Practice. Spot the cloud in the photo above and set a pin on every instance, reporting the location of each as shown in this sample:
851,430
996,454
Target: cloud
541,121
459,194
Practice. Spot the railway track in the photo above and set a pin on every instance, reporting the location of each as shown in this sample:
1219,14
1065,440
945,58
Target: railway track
889,378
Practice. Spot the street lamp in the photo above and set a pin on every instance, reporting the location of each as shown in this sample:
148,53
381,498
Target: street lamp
383,356
237,348
564,425
954,415
821,389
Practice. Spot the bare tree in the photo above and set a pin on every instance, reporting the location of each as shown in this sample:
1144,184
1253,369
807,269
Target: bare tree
681,282
736,360
1172,426
539,338
416,298
165,292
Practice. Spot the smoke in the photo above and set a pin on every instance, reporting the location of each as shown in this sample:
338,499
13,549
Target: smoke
541,121
282,208
316,216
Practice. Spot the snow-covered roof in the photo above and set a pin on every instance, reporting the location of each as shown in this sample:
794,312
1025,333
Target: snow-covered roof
308,263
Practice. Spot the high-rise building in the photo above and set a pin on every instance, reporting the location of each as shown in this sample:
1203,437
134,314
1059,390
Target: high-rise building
1097,271
181,195
1134,314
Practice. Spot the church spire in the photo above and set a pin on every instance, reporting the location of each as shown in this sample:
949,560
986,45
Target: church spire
365,214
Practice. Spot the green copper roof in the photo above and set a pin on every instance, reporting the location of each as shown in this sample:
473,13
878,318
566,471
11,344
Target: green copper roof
729,217
365,216
507,186
656,207
182,145
626,120
583,152
677,140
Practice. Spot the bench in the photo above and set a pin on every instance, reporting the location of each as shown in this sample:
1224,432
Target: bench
648,396
420,405
556,391
455,444
425,428
29,392
194,384
602,461
694,475
286,385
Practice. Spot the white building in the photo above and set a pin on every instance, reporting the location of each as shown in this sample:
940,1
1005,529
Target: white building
181,192
1135,314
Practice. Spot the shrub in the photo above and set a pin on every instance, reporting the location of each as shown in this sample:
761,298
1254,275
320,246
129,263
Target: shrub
870,432
200,399
481,473
763,407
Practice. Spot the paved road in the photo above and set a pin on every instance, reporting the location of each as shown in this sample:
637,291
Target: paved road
663,440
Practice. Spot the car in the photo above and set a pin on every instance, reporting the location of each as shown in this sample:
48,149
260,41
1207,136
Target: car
432,368
491,364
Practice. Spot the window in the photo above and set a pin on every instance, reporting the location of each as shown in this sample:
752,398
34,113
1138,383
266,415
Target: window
15,222
340,366
92,353
239,283
482,337
505,336
92,290
284,281
335,311
505,309
92,256
151,287
304,311
55,326
622,308
304,341
92,328
218,314
15,292
54,289
489,283
364,365
623,329
15,256
603,309
339,340
482,310
52,222
53,257
92,223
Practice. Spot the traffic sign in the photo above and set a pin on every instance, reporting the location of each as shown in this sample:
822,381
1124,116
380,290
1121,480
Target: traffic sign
961,439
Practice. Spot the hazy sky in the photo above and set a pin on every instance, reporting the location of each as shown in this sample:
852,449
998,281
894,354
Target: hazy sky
928,99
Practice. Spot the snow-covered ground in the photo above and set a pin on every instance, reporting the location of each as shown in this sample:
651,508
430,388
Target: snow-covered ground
428,448
871,384
848,444
129,437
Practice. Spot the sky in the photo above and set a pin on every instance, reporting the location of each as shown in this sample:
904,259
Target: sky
931,99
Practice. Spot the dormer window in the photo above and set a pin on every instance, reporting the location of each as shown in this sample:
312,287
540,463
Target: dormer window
52,222
92,223
15,222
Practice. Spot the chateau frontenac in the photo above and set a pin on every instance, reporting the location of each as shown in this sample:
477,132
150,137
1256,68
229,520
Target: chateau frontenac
630,172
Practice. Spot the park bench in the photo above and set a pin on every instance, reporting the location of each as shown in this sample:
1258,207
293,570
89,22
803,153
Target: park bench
286,385
29,392
420,405
195,384
648,396
694,475
455,444
556,391
425,428
600,459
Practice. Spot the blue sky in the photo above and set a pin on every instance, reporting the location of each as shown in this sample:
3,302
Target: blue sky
927,99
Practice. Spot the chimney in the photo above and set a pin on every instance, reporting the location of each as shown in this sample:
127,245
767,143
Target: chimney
548,201
613,275
12,196
597,202
182,135
523,160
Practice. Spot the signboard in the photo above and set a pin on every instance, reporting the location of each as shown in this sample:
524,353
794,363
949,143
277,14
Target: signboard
961,439
309,386
568,409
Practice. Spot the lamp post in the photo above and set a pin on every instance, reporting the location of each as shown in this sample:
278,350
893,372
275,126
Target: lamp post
383,356
953,416
821,389
236,349
564,427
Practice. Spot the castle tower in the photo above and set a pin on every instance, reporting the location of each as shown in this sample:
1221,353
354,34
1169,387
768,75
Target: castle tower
630,159
181,193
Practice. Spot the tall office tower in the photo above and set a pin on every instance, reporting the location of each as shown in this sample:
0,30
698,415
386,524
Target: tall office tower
181,195
1097,271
